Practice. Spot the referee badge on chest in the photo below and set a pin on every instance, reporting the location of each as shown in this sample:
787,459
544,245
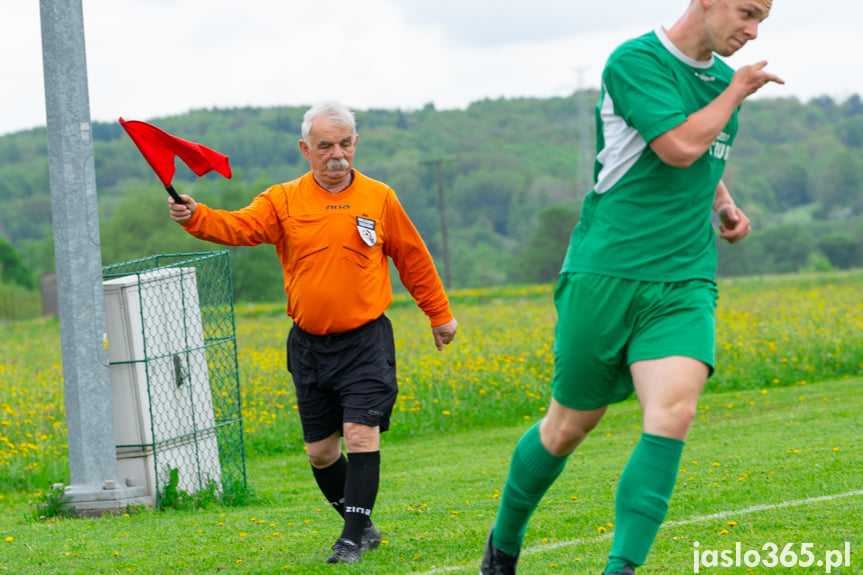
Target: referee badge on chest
366,227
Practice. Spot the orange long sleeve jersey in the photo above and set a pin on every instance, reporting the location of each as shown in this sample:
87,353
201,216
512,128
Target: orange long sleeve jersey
333,249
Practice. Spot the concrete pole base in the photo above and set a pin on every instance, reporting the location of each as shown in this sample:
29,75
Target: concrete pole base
95,500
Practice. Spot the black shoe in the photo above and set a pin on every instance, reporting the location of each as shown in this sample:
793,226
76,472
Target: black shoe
497,561
627,570
371,538
345,551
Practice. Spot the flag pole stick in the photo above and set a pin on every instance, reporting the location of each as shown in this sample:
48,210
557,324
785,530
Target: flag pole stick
170,189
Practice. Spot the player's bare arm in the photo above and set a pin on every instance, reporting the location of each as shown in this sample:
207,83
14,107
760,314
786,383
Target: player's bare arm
684,144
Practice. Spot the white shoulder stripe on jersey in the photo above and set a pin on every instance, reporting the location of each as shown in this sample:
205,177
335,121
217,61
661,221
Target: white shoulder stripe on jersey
623,146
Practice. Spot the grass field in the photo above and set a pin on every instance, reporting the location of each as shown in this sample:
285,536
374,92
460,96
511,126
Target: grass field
439,495
771,459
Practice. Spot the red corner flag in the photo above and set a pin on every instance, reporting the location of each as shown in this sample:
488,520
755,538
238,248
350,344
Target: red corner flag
159,148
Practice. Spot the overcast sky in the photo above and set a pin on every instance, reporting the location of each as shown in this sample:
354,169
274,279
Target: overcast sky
153,58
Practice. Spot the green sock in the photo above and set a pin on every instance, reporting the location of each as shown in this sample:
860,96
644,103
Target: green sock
532,471
643,492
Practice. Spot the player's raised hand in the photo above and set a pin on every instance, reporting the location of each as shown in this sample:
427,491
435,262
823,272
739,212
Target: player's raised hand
750,79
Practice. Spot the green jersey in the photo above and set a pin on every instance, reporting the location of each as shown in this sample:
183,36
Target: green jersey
644,219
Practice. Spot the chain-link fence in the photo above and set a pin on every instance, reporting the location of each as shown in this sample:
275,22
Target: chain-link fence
174,376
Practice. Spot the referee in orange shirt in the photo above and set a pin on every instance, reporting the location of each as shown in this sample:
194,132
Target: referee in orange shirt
334,230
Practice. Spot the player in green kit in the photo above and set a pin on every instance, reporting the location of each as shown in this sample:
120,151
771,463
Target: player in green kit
637,293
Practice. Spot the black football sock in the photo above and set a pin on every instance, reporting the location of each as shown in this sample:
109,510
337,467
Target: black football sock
361,490
331,480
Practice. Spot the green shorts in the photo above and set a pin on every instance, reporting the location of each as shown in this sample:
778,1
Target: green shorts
604,324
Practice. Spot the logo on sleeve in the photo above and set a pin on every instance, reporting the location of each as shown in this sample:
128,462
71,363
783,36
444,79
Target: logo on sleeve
366,227
721,148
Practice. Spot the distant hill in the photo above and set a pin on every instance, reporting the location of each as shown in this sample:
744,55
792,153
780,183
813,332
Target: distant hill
796,167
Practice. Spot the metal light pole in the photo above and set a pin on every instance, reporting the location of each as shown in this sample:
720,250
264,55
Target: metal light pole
83,331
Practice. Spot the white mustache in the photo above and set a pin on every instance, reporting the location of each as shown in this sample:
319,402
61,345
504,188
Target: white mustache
337,164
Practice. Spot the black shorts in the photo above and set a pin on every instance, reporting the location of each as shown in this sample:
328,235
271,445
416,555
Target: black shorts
344,377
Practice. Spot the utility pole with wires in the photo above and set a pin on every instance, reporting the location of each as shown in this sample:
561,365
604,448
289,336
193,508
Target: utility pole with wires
438,163
585,155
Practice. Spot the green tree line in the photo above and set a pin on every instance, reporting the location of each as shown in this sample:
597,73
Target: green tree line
514,173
